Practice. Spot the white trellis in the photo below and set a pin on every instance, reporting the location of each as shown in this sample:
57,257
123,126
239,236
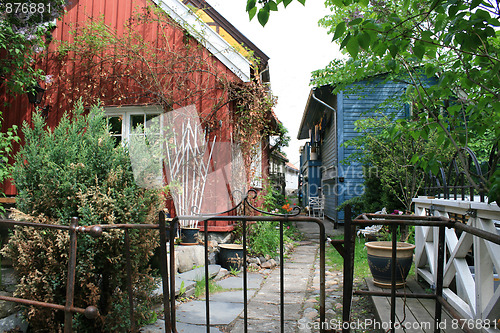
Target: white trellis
473,290
174,144
188,159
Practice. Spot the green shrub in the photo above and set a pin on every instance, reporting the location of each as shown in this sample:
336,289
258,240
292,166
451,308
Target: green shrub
76,170
264,237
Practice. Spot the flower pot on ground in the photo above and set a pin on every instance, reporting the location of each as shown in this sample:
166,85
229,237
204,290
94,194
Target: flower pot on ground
379,261
189,236
231,256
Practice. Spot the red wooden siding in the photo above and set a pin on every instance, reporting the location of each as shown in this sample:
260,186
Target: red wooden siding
70,81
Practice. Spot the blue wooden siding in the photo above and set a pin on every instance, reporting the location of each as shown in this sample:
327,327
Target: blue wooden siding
311,170
329,171
361,100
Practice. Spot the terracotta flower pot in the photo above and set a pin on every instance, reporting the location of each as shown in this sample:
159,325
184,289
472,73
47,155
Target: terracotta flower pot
379,260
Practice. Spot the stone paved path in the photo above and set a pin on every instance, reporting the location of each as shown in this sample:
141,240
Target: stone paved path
301,290
264,307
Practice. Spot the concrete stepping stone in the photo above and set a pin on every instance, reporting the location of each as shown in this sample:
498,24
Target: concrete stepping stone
236,282
234,296
257,325
14,321
221,313
198,274
189,279
159,327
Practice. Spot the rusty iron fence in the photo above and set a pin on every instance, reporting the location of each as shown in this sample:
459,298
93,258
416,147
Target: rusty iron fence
168,271
90,312
246,207
346,248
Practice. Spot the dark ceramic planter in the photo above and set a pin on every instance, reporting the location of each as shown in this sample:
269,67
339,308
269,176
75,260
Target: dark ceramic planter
379,260
189,236
231,256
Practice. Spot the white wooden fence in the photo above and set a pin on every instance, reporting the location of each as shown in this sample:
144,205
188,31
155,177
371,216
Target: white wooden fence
472,264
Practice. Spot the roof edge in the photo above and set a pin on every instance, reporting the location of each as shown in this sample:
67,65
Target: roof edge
229,27
304,116
206,36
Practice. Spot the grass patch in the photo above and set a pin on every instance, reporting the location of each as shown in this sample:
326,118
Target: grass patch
199,289
361,268
335,260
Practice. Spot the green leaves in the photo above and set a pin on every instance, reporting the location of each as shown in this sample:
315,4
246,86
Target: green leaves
456,42
263,16
252,12
263,8
23,38
339,30
353,46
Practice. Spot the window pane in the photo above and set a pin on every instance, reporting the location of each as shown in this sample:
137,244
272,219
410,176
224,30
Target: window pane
115,124
151,116
136,120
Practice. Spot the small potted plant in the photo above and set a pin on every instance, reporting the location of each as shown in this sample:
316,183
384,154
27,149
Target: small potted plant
189,233
231,256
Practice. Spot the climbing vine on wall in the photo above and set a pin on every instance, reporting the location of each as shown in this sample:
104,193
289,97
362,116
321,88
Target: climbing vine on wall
174,70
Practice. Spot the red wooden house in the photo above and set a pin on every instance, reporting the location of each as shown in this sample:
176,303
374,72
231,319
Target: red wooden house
140,58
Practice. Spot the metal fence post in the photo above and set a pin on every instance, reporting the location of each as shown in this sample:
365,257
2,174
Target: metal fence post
70,286
129,282
348,270
164,271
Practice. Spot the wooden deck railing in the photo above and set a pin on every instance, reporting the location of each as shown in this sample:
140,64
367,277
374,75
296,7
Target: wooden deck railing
472,264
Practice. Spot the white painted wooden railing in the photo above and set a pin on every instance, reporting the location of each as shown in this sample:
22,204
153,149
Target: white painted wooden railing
474,291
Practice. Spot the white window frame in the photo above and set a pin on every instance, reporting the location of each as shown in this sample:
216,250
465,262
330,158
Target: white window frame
126,112
256,166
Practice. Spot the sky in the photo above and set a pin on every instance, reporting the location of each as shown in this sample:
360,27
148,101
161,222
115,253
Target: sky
296,46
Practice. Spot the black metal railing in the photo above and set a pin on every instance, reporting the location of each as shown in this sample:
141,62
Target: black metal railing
347,246
90,312
168,273
462,179
246,206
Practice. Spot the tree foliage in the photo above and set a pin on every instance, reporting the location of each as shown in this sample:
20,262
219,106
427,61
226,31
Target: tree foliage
263,8
25,27
455,41
7,138
389,160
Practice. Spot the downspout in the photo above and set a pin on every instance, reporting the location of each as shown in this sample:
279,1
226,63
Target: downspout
334,118
321,102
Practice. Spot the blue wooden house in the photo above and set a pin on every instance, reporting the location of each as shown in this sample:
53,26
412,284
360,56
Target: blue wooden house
327,123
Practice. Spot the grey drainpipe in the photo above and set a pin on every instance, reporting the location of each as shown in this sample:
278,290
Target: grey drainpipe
320,101
334,115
